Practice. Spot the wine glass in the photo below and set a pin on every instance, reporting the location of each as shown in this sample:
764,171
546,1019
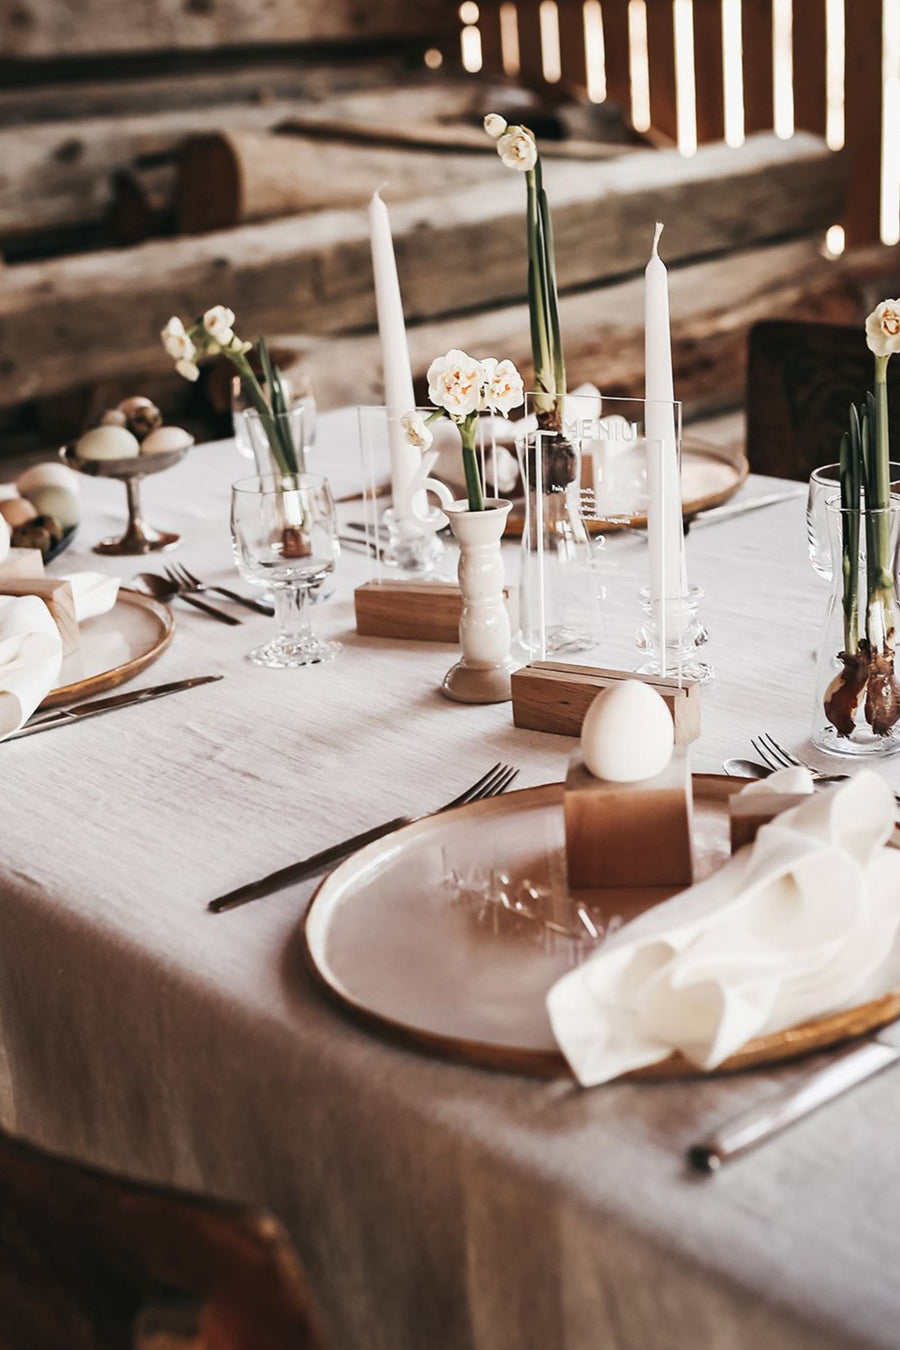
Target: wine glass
824,487
284,534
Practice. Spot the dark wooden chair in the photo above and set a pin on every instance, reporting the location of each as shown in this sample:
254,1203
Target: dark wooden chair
90,1261
801,380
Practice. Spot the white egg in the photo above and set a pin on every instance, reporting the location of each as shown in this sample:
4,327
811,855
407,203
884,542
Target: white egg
628,733
53,490
4,539
165,439
107,443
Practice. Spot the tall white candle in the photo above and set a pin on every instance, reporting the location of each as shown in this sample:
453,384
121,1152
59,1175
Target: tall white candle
664,524
398,385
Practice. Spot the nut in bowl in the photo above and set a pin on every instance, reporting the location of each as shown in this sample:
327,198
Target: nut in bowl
128,444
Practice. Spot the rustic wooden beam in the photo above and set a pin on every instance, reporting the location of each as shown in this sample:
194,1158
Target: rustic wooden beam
70,320
33,28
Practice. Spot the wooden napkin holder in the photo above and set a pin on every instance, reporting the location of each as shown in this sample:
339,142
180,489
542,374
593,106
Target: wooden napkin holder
22,562
629,834
747,815
422,611
57,596
552,696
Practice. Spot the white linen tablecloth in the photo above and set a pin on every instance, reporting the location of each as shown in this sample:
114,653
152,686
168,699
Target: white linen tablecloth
437,1207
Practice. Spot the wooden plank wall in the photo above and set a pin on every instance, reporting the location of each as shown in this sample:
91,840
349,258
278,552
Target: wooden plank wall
640,34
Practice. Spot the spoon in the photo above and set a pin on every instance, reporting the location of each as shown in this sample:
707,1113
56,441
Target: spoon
746,768
161,589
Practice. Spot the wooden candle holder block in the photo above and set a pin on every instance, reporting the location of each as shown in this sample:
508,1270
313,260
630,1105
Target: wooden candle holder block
552,696
424,611
747,815
629,834
57,596
22,562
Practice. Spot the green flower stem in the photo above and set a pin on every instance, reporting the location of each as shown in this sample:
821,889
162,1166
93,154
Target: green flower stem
277,432
850,461
537,296
474,490
880,621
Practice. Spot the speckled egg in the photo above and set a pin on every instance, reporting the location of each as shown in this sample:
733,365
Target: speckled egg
107,443
53,490
628,733
16,511
141,415
166,439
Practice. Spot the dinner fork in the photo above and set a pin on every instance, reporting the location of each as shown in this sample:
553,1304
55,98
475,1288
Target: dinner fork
188,583
490,784
777,757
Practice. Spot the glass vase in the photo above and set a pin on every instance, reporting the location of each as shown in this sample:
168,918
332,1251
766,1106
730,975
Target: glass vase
857,696
275,441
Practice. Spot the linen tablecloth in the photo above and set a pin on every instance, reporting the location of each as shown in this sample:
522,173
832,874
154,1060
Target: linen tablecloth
436,1206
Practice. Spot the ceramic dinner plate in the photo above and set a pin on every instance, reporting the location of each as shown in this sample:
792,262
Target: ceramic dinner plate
385,938
114,647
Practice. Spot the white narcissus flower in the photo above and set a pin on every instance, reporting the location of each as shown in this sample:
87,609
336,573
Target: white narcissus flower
883,328
416,432
495,125
218,322
189,369
503,387
518,149
455,382
176,341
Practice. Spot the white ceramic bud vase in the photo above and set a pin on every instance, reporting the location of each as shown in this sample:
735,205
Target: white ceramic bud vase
482,676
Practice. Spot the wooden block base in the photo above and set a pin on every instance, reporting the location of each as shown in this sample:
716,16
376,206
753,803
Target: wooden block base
22,562
57,596
552,696
629,834
423,611
747,815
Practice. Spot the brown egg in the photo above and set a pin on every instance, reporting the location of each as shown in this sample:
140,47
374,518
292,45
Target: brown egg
17,511
142,415
113,417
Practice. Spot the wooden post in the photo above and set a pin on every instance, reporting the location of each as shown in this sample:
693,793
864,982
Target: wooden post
491,44
708,72
809,59
573,57
616,53
862,120
531,52
661,60
756,36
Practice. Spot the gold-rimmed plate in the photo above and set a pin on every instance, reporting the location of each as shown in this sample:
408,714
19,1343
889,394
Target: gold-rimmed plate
384,939
114,647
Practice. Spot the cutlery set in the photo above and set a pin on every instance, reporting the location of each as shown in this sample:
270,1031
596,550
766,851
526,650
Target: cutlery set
180,584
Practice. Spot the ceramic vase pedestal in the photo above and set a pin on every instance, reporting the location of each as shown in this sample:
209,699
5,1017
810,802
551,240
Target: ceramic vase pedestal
483,673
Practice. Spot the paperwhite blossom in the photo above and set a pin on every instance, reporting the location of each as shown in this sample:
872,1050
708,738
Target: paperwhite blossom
883,328
176,341
495,125
415,431
518,149
455,383
503,387
219,322
188,369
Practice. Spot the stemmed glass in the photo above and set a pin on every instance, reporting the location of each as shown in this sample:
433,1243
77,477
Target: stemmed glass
284,534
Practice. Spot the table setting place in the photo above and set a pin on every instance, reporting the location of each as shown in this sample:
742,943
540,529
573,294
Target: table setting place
522,702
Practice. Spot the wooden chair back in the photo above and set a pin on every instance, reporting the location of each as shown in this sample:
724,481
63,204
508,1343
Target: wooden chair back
801,380
90,1261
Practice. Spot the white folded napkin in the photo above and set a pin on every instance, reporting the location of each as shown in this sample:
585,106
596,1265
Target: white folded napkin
94,593
30,658
793,780
800,923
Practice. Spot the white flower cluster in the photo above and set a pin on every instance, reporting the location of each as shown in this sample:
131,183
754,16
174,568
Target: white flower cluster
212,334
460,385
883,328
516,146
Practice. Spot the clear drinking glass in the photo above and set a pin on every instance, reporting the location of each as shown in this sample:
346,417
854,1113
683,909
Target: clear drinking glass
284,534
825,486
303,400
276,442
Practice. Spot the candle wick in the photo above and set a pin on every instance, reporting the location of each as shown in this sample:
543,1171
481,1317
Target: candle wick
378,191
659,229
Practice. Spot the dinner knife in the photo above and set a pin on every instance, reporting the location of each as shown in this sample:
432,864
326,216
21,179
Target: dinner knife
797,1100
301,871
731,509
62,717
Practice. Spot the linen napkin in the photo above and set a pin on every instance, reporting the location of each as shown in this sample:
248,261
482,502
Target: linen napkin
94,593
800,923
30,658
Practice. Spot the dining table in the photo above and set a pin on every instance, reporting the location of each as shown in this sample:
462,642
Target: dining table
436,1205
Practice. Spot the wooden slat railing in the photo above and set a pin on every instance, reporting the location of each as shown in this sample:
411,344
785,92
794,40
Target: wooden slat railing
801,62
